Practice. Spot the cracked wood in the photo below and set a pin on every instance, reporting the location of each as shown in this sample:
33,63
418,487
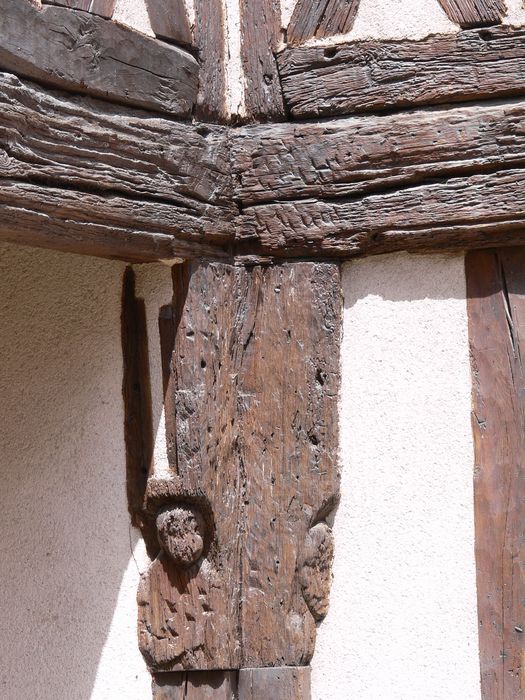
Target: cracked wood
104,8
83,175
496,313
366,76
85,53
256,454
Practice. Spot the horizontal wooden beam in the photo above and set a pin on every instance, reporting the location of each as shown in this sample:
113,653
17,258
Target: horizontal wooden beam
367,76
83,52
85,176
355,156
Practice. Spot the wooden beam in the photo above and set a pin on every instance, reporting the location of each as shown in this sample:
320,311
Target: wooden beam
84,53
85,176
260,37
169,20
496,312
284,683
366,76
195,685
474,13
259,579
350,157
210,33
104,8
322,18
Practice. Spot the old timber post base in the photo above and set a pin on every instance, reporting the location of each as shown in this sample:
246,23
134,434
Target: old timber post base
229,605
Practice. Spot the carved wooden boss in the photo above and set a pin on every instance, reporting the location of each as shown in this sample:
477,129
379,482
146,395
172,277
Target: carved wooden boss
119,145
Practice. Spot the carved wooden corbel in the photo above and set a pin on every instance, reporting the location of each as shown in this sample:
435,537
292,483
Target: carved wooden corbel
243,565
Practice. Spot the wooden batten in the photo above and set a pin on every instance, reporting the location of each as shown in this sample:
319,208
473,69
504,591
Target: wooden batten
474,13
104,8
496,314
169,20
260,36
321,19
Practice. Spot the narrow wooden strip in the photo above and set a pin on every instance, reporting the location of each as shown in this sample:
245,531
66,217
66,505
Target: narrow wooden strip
136,391
195,685
210,33
354,156
496,310
376,75
260,35
287,438
478,211
305,20
104,8
169,20
474,13
79,51
282,683
338,17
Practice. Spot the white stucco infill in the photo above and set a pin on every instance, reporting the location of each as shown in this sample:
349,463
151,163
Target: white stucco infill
402,623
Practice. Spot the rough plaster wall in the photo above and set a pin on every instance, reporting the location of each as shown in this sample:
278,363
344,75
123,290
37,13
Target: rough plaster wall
402,623
400,19
69,557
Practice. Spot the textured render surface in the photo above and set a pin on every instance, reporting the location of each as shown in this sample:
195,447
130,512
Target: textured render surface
402,623
68,575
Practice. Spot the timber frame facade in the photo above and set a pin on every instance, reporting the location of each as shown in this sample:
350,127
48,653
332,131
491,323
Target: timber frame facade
119,145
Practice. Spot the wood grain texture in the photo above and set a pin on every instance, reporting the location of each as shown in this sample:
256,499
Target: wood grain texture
496,312
102,225
256,453
474,13
320,19
169,20
366,76
104,8
353,156
136,392
287,441
260,36
285,683
210,33
188,617
459,212
196,685
84,53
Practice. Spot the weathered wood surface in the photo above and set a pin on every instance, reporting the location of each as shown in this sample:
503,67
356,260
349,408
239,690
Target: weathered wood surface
102,225
85,53
320,19
287,443
243,583
285,683
196,685
88,144
357,155
479,211
366,76
104,8
496,311
260,36
210,33
169,20
474,13
136,392
85,176
188,615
